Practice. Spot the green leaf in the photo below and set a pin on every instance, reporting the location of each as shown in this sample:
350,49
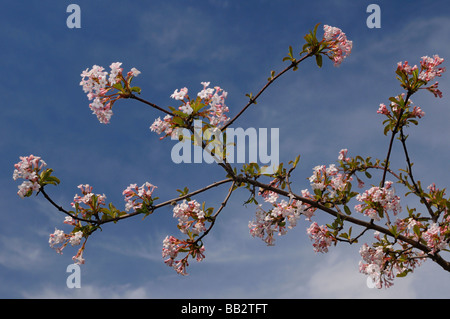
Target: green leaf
347,210
319,60
136,89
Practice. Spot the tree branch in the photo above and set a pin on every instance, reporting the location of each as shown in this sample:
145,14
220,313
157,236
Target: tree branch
132,96
253,99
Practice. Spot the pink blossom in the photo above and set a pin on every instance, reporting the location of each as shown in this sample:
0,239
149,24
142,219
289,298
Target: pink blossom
406,68
135,196
186,108
78,258
321,236
28,168
59,240
278,220
343,155
162,126
372,264
190,217
215,98
329,178
417,112
179,95
435,238
434,89
378,198
99,87
383,110
87,199
173,246
430,68
134,72
338,44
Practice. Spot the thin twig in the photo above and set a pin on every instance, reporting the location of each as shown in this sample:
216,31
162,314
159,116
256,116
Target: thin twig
222,206
132,96
394,132
253,99
416,188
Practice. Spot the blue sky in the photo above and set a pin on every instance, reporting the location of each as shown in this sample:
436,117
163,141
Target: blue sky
233,44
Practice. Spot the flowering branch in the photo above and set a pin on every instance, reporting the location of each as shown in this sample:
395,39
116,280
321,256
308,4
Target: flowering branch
401,243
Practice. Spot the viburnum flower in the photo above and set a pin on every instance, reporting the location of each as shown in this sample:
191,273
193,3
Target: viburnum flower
372,264
216,100
413,77
378,200
28,168
59,240
430,68
136,196
321,236
179,95
213,98
266,224
434,237
88,200
338,45
343,155
190,217
383,109
105,89
329,178
163,126
173,246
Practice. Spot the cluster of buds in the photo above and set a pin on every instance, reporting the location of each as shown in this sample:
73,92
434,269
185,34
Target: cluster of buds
413,77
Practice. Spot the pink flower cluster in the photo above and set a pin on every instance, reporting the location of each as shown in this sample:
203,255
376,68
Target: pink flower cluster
190,217
173,246
378,200
416,112
59,240
267,224
382,263
135,196
93,201
373,265
28,168
435,238
163,126
429,69
329,178
97,84
321,236
215,98
338,45
212,97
